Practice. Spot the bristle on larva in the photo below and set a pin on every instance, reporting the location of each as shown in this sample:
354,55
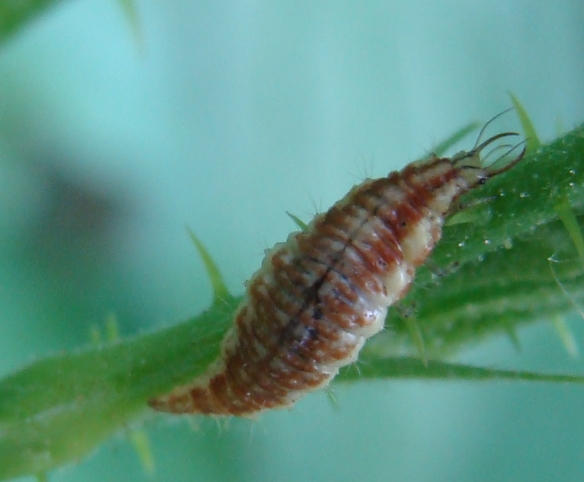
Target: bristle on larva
319,296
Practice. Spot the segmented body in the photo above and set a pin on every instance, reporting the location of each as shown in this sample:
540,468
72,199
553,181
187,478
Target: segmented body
319,296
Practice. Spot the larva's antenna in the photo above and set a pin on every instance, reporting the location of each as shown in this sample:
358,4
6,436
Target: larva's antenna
476,149
487,124
489,154
509,165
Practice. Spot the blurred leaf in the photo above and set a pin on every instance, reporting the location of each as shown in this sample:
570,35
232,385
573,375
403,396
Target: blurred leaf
460,134
566,336
529,131
14,14
131,14
141,443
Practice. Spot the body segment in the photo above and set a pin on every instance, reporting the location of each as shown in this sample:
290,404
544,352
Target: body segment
319,296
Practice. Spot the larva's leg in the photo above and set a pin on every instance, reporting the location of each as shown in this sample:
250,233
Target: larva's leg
468,205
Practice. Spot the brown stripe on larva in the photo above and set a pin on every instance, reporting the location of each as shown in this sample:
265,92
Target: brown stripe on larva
319,296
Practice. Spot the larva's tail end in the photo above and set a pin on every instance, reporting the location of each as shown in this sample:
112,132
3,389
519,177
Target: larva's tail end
177,403
160,404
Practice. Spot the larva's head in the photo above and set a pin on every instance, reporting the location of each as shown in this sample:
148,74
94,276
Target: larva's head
471,166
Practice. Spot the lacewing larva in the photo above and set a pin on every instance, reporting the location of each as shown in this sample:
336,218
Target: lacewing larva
319,296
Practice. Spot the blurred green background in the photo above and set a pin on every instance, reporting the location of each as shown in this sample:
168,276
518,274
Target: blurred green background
222,117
